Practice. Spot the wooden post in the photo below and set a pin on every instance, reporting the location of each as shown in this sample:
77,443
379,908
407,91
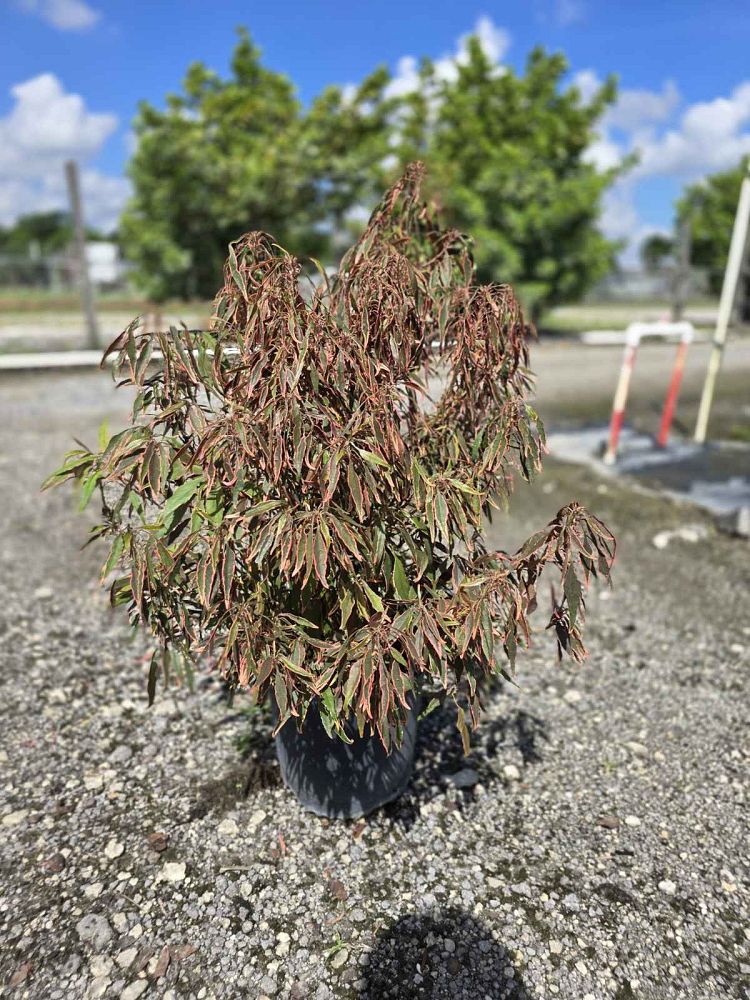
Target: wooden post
726,304
84,282
681,277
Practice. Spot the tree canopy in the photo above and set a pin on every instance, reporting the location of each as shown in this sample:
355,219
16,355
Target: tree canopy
507,150
709,208
655,251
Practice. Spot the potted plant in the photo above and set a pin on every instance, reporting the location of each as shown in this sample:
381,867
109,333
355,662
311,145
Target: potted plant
286,500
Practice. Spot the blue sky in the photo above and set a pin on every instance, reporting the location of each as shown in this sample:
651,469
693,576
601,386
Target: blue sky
73,71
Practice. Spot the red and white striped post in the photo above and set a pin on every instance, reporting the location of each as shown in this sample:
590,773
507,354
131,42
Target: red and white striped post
633,336
632,340
674,386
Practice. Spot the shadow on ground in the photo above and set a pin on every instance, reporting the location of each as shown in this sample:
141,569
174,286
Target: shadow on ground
440,757
439,761
441,954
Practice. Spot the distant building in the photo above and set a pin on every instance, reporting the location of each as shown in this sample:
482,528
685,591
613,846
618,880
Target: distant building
106,267
59,271
639,285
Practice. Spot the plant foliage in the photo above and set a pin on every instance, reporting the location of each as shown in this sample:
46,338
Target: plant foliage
286,500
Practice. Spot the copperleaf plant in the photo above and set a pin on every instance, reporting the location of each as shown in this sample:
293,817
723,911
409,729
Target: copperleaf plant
288,501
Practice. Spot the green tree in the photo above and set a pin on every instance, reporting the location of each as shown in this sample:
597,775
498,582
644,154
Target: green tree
49,231
710,207
655,250
230,155
221,159
347,154
508,151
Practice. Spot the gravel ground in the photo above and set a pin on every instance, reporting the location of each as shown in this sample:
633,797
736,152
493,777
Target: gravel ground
593,844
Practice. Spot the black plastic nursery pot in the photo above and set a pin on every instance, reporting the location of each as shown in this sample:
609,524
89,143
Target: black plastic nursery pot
343,780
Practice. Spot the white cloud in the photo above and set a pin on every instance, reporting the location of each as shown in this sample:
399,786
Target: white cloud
603,153
66,15
588,82
682,145
45,127
493,39
710,136
636,108
569,12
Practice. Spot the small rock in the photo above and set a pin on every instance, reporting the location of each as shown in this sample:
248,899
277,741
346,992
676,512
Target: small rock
511,772
521,889
14,818
94,929
43,593
637,748
608,821
228,828
571,903
55,863
173,871
465,778
158,841
340,959
162,963
126,958
449,945
20,975
97,987
93,890
121,754
100,965
256,819
338,889
687,533
113,849
632,821
494,883
572,696
555,947
668,886
134,990
282,948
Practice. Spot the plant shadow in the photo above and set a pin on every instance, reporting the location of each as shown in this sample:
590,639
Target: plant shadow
441,765
440,954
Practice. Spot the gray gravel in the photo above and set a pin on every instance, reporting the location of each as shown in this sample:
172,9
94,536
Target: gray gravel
592,846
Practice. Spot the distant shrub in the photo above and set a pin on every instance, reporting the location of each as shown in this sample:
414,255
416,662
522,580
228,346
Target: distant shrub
284,500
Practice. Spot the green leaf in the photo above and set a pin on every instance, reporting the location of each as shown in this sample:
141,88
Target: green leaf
441,513
279,687
572,588
114,554
400,580
372,458
432,704
181,496
464,731
346,602
103,435
355,488
89,485
153,671
372,597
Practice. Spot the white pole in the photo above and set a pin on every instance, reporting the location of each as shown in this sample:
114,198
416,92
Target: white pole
79,235
726,303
